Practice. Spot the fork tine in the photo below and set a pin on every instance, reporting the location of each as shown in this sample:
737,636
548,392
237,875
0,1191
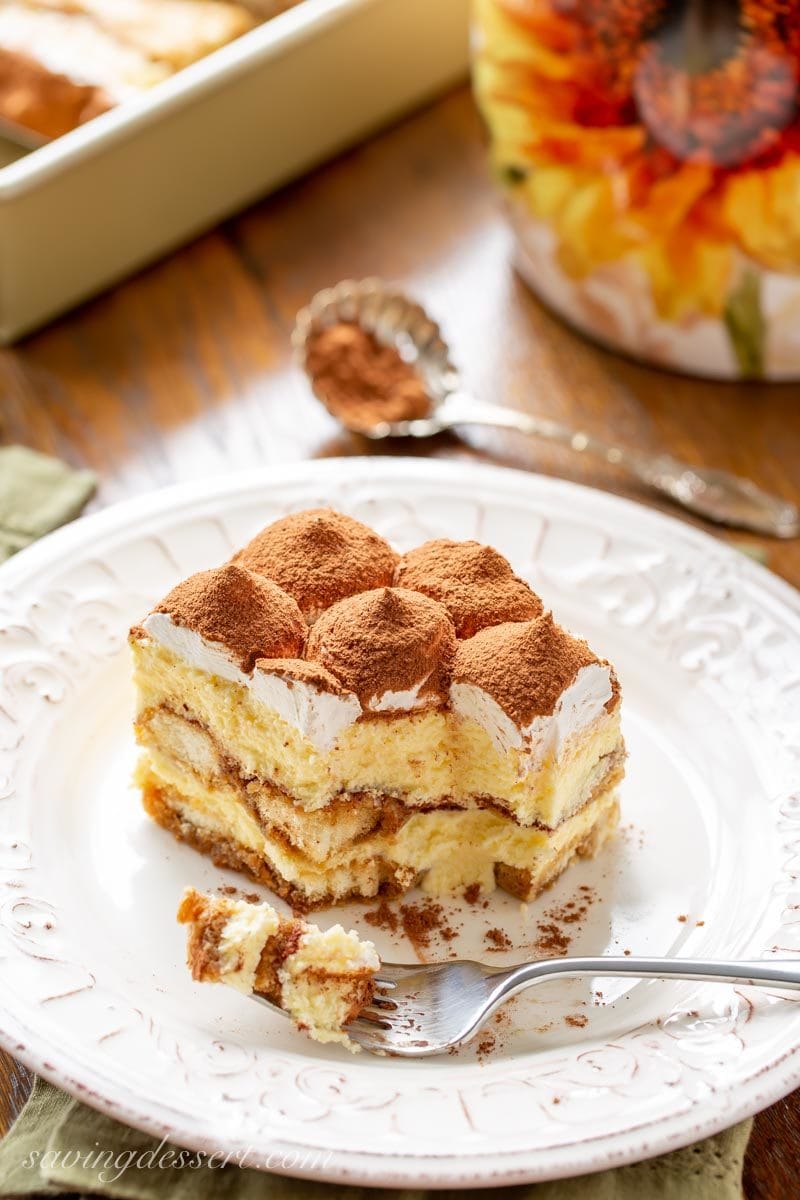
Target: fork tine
378,1020
419,1009
397,972
375,1017
391,1041
381,1001
367,1035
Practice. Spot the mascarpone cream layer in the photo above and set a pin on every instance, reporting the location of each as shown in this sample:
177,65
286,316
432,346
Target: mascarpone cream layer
579,707
451,849
242,940
324,1005
424,758
321,716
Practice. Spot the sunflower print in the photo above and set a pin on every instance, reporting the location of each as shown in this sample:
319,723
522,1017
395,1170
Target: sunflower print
660,134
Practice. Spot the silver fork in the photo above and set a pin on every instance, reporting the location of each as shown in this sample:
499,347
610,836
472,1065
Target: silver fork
421,1010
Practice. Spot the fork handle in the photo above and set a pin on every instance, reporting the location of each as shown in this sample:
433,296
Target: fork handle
783,973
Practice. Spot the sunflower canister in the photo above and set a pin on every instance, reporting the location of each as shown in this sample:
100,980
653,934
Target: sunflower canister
650,154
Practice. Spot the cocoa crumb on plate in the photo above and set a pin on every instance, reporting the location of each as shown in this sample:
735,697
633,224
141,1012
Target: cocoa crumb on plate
576,1020
497,939
552,941
486,1045
423,920
383,917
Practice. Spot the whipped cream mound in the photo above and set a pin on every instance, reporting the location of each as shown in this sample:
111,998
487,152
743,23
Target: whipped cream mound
319,556
475,583
392,647
530,683
310,700
580,705
250,616
461,633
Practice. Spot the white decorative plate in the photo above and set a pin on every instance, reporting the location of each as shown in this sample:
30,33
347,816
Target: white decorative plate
93,991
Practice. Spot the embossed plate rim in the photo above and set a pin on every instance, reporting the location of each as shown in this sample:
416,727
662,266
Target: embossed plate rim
390,1168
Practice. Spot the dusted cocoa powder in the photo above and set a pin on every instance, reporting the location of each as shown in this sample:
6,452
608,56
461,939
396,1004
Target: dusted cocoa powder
554,932
383,917
525,666
319,556
576,1020
250,616
423,920
386,640
475,583
497,939
362,382
487,1045
551,941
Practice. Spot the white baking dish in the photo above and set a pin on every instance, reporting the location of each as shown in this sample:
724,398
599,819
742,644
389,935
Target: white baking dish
87,209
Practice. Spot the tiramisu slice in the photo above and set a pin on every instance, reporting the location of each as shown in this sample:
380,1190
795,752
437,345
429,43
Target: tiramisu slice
63,62
341,722
322,978
58,70
175,32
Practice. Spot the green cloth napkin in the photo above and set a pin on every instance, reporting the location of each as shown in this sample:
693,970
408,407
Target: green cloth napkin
54,1136
37,494
54,1146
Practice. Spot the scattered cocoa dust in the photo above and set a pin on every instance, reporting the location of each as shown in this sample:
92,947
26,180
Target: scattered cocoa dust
493,1040
632,834
229,890
553,940
426,919
420,921
423,920
383,917
486,1045
473,896
497,939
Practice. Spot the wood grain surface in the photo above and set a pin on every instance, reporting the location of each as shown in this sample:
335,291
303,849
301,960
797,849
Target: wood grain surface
185,372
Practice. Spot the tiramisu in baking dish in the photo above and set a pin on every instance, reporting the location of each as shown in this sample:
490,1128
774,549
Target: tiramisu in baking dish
63,62
340,722
322,978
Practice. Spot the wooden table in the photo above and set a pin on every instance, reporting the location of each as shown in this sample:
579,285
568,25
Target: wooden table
185,371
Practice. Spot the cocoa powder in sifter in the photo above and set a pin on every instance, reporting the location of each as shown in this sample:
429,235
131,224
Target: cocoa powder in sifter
360,381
